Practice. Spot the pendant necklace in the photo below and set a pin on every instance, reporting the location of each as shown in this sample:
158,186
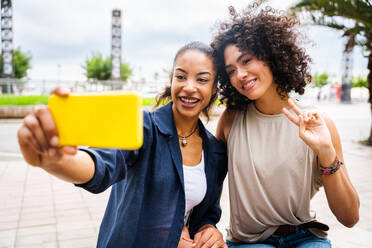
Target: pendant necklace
184,141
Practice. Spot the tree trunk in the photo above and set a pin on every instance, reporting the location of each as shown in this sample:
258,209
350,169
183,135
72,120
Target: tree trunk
369,78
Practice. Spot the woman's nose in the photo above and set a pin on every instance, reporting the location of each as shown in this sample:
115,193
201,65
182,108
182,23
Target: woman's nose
241,73
190,85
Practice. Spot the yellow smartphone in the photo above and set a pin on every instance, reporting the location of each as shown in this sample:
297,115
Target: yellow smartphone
101,119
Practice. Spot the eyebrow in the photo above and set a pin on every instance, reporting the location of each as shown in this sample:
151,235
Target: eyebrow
200,73
237,60
181,70
204,72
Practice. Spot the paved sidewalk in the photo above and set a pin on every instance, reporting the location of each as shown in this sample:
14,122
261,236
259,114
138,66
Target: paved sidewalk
39,210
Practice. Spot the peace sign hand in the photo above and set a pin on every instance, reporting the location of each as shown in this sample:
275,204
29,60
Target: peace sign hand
312,127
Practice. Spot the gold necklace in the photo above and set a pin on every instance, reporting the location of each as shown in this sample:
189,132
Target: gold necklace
184,141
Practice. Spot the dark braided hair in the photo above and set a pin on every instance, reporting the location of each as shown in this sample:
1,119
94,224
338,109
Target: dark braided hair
270,36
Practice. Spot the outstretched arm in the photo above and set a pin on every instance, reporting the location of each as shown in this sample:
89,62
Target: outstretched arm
38,140
320,134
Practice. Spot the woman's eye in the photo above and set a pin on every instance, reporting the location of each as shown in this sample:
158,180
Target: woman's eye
245,61
180,77
203,80
229,73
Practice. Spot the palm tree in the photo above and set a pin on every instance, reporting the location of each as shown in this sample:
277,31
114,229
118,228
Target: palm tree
333,13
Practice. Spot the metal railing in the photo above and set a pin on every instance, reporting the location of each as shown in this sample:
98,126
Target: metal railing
147,89
43,87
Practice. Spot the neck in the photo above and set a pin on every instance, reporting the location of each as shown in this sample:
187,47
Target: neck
184,125
271,103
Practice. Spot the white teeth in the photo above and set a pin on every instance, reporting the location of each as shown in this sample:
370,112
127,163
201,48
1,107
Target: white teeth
249,84
187,100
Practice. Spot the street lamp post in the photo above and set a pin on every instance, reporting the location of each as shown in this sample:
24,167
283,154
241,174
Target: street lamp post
7,43
116,45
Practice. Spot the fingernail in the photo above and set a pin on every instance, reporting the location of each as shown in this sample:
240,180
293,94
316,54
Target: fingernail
54,141
64,91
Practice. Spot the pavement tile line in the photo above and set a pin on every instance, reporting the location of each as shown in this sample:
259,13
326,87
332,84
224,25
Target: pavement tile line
22,202
11,154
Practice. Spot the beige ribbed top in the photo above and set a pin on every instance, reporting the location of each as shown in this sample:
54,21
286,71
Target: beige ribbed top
272,176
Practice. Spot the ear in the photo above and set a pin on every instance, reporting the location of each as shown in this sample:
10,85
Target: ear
171,76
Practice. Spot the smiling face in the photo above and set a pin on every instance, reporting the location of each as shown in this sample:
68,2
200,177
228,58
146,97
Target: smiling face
192,83
248,75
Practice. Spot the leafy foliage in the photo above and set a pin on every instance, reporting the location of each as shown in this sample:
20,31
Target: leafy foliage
99,68
21,63
320,80
328,12
359,82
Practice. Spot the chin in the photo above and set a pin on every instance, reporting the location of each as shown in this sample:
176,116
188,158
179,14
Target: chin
187,113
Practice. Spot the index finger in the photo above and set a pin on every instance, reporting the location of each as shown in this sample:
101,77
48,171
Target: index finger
61,91
290,116
197,237
48,125
204,237
294,107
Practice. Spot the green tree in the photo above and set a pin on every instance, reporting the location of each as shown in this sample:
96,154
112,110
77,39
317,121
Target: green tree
22,64
358,28
126,71
97,67
320,80
359,82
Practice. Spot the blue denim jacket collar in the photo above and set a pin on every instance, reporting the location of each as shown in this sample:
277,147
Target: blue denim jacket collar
167,127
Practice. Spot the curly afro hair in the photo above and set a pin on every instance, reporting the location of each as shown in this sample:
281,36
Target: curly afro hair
269,36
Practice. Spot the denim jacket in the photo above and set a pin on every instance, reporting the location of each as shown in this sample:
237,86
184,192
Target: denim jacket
147,202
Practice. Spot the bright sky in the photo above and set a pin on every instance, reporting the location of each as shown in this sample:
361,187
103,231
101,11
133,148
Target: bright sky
60,35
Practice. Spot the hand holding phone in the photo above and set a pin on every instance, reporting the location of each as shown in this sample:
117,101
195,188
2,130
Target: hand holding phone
100,119
38,136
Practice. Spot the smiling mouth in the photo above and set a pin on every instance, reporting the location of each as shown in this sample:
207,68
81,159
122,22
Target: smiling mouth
188,99
249,84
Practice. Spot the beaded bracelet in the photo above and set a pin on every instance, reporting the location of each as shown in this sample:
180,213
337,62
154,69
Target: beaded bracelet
330,170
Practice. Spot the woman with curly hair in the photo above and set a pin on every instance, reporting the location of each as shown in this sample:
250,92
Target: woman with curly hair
279,153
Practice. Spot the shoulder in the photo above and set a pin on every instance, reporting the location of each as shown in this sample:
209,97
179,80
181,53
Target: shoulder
228,115
224,124
217,145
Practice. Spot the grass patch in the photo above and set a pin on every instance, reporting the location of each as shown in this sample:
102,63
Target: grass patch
12,100
149,101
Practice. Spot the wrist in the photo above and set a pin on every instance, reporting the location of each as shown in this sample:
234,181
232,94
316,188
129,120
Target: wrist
329,170
46,162
326,156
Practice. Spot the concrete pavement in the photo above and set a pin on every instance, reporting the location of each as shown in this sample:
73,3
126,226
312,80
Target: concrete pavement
39,210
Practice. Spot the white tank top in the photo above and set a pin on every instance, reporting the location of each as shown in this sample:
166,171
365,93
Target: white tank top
272,176
195,184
